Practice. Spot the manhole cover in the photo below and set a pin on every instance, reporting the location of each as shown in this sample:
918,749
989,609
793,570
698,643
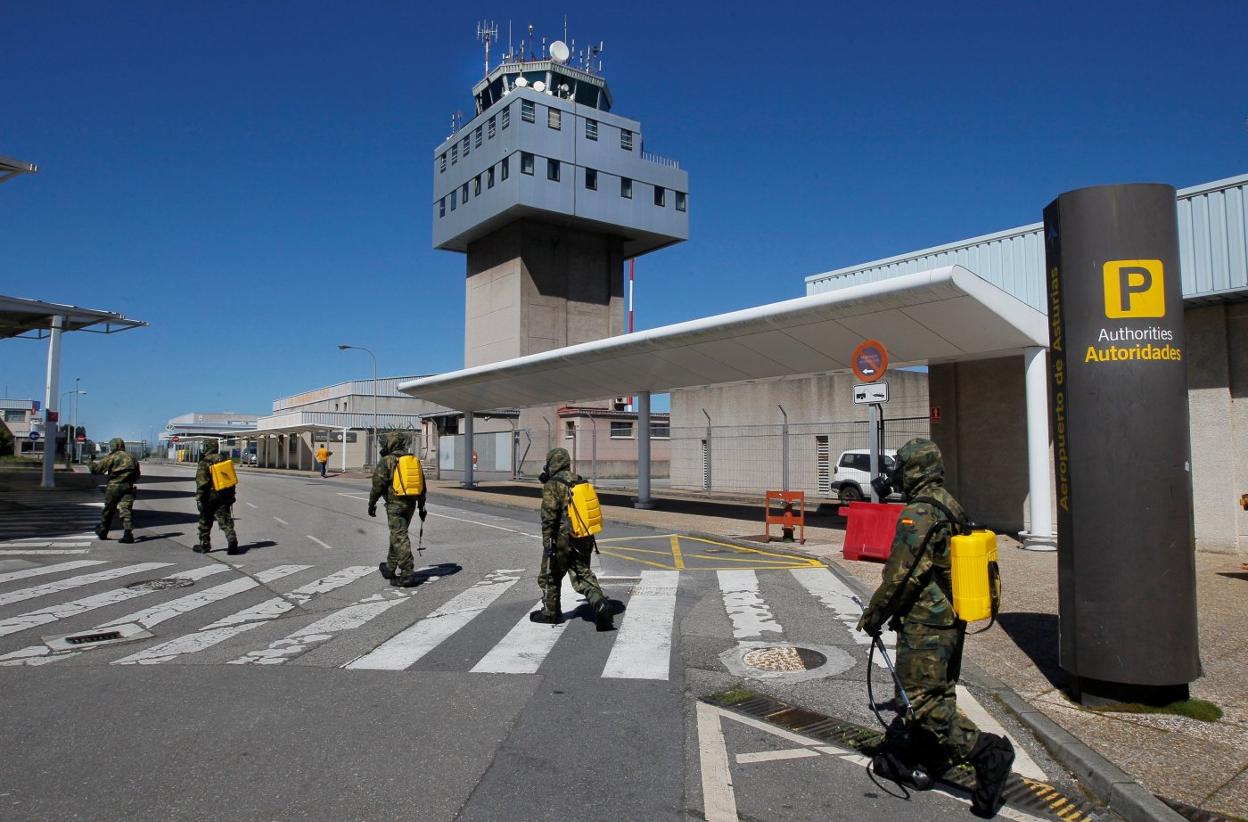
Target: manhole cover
784,658
163,584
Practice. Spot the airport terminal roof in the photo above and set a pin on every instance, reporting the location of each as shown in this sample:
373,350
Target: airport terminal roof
942,315
32,319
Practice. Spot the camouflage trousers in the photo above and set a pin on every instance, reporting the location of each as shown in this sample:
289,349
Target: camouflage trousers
573,561
216,508
118,499
929,662
399,518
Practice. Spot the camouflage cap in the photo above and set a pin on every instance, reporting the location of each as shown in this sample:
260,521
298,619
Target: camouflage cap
117,444
921,464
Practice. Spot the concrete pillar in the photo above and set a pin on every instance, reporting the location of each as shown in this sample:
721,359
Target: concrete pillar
1040,536
643,451
50,397
468,466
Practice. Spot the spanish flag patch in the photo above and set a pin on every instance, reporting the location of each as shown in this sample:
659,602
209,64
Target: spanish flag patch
907,522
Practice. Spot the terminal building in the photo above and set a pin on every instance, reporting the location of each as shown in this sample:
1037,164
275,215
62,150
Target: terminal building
20,418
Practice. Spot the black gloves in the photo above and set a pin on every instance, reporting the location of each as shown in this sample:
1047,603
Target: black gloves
423,514
372,510
870,622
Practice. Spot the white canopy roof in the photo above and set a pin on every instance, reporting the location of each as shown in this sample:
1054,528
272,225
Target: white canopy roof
941,315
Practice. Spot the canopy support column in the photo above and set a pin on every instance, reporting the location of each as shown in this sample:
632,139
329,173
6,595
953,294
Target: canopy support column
468,466
1040,536
643,451
50,397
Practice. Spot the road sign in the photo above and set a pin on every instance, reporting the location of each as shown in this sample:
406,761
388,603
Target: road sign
33,435
871,392
54,416
174,439
869,360
80,438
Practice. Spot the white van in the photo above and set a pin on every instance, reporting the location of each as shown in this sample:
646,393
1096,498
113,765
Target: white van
852,480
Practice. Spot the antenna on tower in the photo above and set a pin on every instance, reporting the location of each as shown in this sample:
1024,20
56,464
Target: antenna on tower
595,53
457,119
487,32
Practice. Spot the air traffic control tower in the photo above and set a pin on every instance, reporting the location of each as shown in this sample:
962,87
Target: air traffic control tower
548,192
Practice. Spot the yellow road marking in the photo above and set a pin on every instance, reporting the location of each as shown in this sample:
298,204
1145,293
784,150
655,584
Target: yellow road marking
677,557
807,562
639,559
641,550
797,563
638,539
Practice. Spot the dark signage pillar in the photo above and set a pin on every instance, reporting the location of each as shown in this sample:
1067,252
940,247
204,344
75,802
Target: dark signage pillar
1118,406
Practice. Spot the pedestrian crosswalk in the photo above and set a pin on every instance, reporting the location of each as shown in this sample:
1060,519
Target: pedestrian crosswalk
275,615
32,523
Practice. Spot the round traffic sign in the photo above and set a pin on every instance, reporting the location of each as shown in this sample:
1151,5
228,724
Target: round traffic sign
34,435
869,360
174,439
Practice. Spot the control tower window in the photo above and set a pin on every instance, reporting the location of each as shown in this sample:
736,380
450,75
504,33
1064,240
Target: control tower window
504,168
626,139
526,163
476,188
528,111
465,146
681,201
552,170
463,193
591,129
454,154
441,213
452,201
554,118
491,124
506,116
591,179
476,137
442,163
626,188
489,177
660,196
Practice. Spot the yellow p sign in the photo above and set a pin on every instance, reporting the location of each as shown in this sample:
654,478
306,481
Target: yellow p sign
1134,288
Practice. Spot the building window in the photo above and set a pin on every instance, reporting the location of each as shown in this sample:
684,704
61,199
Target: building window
528,111
569,429
14,415
591,129
626,139
476,137
476,187
554,118
489,177
441,213
452,208
626,188
442,163
552,170
591,179
503,167
660,431
455,154
490,127
465,147
621,429
506,116
526,163
660,196
463,193
681,201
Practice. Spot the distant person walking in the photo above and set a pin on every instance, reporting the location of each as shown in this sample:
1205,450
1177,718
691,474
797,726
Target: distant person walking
123,472
322,459
215,491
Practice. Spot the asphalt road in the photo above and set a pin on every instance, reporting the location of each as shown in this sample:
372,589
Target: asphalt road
291,682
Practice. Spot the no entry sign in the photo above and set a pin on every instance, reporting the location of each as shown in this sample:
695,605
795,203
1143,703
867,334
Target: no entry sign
869,360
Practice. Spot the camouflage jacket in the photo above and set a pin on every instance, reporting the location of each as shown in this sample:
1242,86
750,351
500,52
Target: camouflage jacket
924,595
203,476
121,466
383,482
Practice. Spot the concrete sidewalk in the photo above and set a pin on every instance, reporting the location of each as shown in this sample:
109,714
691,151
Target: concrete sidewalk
1203,765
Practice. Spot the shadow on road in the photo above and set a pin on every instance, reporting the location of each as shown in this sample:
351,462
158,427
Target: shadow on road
1036,635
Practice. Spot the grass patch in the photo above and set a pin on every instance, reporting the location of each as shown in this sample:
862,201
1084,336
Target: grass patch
1191,708
732,696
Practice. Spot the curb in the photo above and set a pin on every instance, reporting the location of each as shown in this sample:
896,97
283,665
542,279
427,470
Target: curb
1113,786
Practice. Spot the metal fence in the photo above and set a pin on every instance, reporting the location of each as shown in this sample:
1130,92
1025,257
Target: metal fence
798,456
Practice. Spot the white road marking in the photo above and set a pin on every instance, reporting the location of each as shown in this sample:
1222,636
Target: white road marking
76,582
151,617
718,800
746,608
281,521
774,756
486,525
643,648
71,543
43,552
242,621
320,632
409,645
250,504
64,610
837,597
528,643
1023,763
318,542
49,569
357,495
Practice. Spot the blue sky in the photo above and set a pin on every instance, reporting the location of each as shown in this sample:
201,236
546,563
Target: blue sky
254,179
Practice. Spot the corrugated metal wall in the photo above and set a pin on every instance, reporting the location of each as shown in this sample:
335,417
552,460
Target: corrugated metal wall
1213,251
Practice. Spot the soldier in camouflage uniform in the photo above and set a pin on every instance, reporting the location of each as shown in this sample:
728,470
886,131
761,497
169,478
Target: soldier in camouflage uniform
916,600
213,504
123,472
563,553
399,565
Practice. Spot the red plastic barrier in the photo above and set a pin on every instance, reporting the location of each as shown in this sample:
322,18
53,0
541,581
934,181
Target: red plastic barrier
869,529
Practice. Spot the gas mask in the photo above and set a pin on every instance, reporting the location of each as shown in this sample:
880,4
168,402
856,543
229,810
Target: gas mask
888,481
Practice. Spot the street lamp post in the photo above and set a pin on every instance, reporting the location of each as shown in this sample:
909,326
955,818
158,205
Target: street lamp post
344,347
77,447
72,436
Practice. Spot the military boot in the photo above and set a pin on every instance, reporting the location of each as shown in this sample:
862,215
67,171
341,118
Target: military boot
101,532
127,537
232,547
544,618
409,580
603,620
384,568
991,758
201,548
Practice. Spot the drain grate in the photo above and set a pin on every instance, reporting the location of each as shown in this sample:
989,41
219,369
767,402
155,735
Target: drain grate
1021,793
83,639
784,658
103,635
163,584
